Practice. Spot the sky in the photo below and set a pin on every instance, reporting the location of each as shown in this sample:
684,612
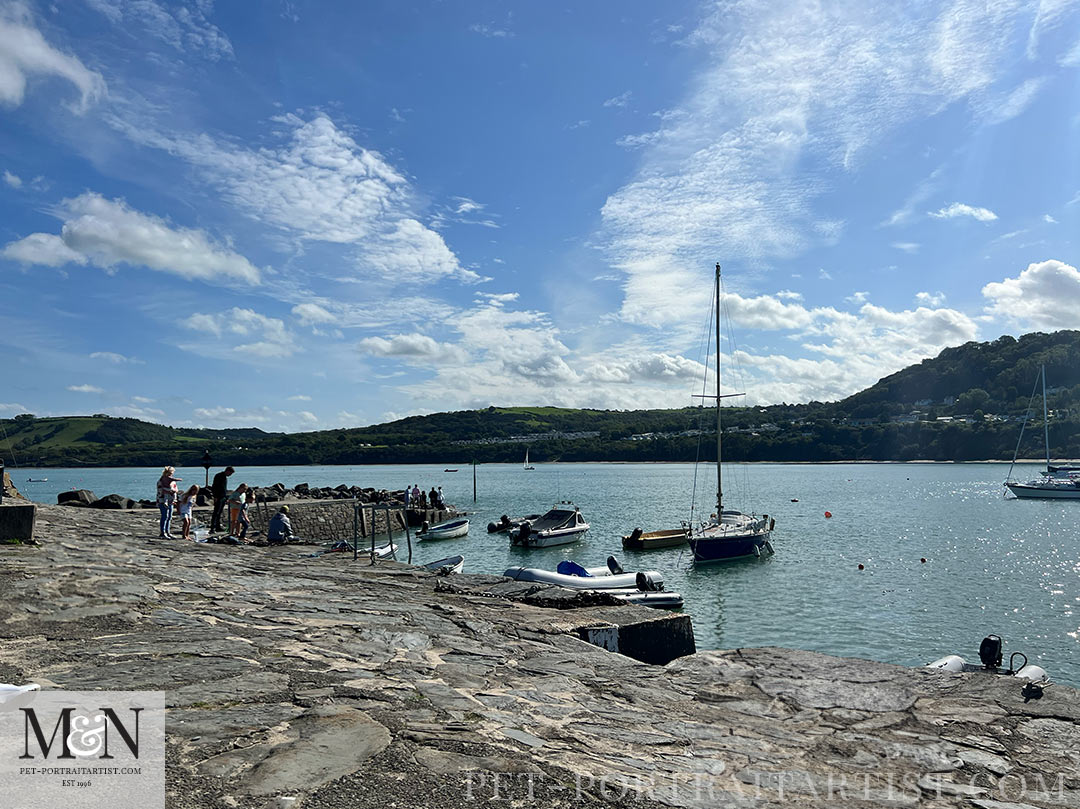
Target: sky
302,215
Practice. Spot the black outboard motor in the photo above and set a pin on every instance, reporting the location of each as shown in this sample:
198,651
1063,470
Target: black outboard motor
424,527
990,651
614,566
645,583
524,530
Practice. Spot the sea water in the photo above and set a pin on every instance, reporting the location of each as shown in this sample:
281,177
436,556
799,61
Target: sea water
993,565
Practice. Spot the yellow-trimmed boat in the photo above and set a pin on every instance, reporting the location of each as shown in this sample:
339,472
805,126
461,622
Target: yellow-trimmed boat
638,541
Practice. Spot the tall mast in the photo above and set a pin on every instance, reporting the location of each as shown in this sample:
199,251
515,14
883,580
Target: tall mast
719,487
1046,425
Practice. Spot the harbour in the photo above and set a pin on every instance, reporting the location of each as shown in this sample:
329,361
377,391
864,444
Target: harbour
992,565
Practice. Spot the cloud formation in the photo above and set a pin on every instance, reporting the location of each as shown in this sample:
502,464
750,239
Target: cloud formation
1046,295
106,233
248,333
25,54
958,209
185,26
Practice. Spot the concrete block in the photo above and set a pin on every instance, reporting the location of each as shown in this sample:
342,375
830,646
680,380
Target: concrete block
17,522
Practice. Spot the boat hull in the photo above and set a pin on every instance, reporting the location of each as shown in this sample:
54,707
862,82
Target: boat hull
622,581
448,566
654,540
1028,492
448,530
548,539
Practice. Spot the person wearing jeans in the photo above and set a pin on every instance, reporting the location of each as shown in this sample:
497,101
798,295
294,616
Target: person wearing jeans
220,490
166,499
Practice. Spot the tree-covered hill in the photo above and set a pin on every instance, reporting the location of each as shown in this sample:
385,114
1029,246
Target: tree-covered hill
965,404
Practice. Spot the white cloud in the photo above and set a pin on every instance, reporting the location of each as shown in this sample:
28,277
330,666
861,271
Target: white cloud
996,109
12,179
492,31
415,347
307,417
1048,219
1046,295
907,247
498,298
321,187
932,300
788,295
620,100
85,389
300,398
114,358
135,412
42,249
184,27
960,209
765,312
12,408
311,314
794,97
233,416
663,368
108,232
824,274
24,53
142,400
857,297
255,335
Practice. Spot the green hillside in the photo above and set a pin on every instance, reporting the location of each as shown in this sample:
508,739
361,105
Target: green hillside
964,404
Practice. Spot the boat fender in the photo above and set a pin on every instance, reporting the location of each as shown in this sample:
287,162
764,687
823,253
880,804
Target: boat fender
772,523
948,663
769,547
1033,673
757,551
614,566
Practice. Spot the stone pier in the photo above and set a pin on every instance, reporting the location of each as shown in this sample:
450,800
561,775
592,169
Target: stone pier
342,684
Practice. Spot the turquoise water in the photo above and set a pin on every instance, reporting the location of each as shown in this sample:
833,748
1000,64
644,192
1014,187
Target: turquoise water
993,565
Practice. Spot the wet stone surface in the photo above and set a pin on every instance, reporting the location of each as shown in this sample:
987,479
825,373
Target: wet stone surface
346,685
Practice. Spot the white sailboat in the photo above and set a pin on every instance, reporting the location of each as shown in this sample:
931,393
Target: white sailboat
526,464
1057,482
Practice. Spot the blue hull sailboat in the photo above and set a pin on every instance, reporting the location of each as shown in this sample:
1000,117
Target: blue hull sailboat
728,534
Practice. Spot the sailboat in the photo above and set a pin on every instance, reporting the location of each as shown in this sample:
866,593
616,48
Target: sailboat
526,464
1057,482
729,534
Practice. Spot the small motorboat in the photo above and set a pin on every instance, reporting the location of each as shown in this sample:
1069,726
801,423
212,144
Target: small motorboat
648,580
671,538
444,530
990,654
447,566
506,523
562,525
381,552
37,480
449,470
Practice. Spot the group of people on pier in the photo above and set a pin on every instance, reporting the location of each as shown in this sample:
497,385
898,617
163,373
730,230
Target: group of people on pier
415,497
170,499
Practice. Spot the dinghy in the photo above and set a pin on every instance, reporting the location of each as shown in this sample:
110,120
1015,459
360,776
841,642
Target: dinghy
638,541
660,600
445,530
623,581
447,566
990,653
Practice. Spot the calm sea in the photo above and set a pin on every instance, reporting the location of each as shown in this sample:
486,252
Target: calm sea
993,565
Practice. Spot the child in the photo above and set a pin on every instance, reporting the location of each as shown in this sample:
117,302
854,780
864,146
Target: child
187,503
236,507
244,521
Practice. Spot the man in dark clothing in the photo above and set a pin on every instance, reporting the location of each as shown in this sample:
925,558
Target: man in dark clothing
220,489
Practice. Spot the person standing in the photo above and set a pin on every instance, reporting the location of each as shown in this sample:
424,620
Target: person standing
187,503
236,508
245,522
416,495
166,499
220,490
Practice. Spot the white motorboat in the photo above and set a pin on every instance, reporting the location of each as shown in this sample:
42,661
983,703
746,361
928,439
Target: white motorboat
1057,482
990,653
446,530
729,534
622,581
447,566
562,525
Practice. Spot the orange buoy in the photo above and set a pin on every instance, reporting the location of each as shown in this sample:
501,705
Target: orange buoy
828,514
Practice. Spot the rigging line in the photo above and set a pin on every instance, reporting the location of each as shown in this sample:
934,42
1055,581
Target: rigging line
701,411
1027,415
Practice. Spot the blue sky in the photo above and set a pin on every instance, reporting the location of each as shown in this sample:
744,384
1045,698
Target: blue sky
303,215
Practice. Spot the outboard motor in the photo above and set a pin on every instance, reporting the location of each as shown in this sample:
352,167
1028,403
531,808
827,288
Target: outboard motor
492,528
614,566
990,651
424,526
524,531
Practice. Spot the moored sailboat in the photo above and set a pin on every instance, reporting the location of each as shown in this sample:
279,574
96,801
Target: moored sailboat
729,534
1060,482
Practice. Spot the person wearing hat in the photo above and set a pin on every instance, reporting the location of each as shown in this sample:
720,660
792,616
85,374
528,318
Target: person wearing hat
280,529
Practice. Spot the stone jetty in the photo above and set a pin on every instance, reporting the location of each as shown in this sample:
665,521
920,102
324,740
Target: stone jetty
343,684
